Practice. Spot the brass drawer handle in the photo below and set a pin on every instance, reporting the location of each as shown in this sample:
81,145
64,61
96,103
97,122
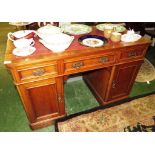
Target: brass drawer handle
78,65
103,59
131,53
38,72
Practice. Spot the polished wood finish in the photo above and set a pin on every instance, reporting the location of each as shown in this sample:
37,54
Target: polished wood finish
98,82
109,71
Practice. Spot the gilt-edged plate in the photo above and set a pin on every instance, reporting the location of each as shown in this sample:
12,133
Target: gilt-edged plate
92,40
76,29
116,27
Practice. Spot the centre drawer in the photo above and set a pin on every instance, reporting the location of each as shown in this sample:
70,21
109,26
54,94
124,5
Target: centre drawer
86,63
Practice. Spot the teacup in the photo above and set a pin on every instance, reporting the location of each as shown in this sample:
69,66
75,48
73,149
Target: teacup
23,43
115,37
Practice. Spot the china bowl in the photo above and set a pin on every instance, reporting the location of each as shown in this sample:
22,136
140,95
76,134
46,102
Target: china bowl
58,39
48,30
57,42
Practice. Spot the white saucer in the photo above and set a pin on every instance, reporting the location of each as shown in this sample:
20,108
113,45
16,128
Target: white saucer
24,51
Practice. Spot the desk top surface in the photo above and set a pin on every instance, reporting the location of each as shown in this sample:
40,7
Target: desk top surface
75,49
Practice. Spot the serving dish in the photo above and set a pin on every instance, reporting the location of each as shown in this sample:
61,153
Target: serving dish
116,27
76,29
48,30
92,40
57,42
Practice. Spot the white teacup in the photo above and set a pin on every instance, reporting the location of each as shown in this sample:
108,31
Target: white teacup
24,43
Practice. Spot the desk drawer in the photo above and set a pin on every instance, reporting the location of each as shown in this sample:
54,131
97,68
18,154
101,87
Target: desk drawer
88,63
132,53
37,72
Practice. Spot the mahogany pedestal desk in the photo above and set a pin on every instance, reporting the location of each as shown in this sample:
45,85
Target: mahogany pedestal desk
109,71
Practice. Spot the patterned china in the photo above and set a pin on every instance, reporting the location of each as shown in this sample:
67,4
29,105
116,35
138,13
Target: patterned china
92,40
76,29
116,27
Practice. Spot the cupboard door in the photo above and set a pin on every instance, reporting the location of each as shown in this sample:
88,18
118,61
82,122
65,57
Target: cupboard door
122,80
42,100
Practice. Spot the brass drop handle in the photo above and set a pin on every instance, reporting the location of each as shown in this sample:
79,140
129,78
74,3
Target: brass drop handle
103,59
113,84
38,72
131,53
78,65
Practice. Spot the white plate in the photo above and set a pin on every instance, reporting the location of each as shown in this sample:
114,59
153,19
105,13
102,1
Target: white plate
92,42
130,38
20,23
76,29
24,51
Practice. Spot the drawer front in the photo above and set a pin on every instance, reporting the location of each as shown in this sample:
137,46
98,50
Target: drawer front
37,73
88,63
132,53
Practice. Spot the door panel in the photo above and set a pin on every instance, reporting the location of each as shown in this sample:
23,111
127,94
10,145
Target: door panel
123,79
41,100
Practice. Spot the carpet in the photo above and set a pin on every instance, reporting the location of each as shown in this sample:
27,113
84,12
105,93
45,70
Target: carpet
141,127
146,72
110,118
